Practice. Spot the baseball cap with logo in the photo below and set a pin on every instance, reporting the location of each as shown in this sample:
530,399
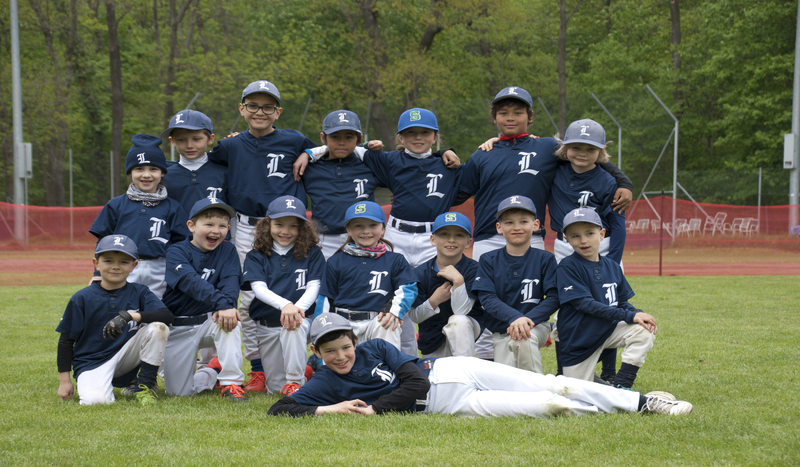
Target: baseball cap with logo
586,131
262,86
455,219
514,92
365,210
117,242
188,120
145,151
340,120
327,323
207,203
417,117
286,206
516,202
581,215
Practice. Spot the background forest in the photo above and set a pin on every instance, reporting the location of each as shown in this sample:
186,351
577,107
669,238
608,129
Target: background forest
95,72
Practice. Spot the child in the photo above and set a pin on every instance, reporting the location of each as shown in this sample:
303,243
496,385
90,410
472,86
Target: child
259,169
581,184
516,286
595,313
365,282
374,378
193,177
284,270
337,179
145,213
202,288
445,308
103,336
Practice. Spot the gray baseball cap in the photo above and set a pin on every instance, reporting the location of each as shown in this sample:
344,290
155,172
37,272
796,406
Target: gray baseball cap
516,202
514,92
588,215
117,242
262,86
286,206
340,120
586,131
204,204
327,323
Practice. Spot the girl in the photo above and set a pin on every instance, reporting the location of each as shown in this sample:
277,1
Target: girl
284,270
144,213
365,282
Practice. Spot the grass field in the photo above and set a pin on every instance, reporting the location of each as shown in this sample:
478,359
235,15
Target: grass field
727,344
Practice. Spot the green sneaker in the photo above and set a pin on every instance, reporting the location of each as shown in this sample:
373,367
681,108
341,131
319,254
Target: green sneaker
130,390
146,395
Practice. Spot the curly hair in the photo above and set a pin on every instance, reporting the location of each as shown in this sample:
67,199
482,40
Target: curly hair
307,238
561,153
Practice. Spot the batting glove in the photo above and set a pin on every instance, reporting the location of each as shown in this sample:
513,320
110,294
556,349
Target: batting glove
114,327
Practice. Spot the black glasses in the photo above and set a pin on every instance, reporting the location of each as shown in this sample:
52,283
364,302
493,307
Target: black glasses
252,107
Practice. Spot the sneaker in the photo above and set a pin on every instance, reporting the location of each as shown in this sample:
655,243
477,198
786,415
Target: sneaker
214,364
233,392
656,404
600,380
257,382
289,388
130,390
146,395
662,395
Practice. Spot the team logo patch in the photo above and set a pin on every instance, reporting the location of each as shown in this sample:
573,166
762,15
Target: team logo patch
450,217
384,375
360,209
415,115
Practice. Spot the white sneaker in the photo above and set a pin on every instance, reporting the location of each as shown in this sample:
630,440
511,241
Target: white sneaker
659,405
662,394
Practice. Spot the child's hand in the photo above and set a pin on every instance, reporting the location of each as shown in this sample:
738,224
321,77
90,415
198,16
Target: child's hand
488,144
355,406
623,199
520,328
226,319
451,274
299,166
450,159
389,321
440,295
646,321
232,135
65,388
291,316
375,145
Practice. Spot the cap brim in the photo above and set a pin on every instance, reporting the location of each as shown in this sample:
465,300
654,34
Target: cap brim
498,99
281,215
418,126
341,128
229,210
584,141
365,216
500,212
338,327
107,250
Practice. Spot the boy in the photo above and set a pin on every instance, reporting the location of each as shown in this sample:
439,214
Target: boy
259,169
445,308
193,177
374,378
595,313
202,287
516,286
102,340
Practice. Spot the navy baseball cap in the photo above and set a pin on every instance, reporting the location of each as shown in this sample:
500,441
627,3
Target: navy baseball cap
514,92
189,120
207,203
581,215
262,86
416,117
327,323
117,242
516,202
586,131
455,219
365,210
145,151
285,206
340,120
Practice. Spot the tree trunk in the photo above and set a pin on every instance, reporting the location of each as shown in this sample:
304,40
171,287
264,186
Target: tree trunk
115,68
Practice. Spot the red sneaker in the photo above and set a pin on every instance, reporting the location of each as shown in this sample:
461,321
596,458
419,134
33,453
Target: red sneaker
289,388
257,382
233,392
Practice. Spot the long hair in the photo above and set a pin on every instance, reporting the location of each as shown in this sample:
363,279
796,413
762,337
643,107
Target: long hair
306,238
561,153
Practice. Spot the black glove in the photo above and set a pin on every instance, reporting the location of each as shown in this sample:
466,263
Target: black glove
114,327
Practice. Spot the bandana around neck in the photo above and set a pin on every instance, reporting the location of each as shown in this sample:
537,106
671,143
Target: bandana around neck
148,199
513,137
372,252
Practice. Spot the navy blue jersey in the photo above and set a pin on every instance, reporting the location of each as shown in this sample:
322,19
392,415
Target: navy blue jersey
188,186
153,228
90,309
198,282
421,188
430,330
523,166
334,184
368,284
285,275
510,287
260,169
593,189
372,376
582,330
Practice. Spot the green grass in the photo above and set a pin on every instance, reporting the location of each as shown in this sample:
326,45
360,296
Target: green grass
727,344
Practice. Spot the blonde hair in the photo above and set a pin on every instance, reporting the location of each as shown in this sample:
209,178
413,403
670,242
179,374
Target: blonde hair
561,153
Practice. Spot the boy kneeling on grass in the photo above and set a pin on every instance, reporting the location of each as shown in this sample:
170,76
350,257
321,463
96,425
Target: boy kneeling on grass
104,339
375,377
